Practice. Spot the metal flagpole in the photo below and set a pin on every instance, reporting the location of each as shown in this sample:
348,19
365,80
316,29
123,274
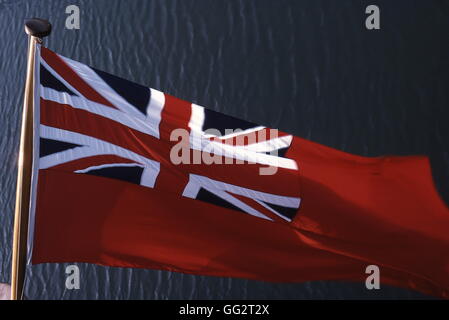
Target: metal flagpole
36,30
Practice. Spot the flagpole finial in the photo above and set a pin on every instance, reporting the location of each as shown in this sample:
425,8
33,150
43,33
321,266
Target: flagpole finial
37,27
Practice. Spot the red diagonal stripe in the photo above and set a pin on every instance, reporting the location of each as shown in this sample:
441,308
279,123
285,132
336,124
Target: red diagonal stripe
69,75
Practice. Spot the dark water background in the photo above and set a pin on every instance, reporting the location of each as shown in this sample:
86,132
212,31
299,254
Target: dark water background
307,67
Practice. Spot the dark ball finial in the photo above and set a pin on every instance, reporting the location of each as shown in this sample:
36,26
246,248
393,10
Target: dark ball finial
37,27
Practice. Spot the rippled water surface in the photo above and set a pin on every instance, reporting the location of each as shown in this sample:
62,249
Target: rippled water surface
308,67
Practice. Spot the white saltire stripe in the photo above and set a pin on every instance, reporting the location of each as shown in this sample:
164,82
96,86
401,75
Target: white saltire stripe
137,123
285,201
221,189
154,108
92,147
272,210
63,81
96,82
192,188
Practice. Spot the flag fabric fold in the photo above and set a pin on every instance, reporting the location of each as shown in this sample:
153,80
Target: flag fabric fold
129,176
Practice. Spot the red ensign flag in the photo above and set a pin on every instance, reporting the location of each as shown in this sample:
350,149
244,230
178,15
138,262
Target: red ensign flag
128,176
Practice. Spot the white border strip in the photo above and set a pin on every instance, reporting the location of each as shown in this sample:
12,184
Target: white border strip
35,165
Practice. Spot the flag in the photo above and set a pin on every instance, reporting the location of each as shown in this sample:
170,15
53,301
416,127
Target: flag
128,176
